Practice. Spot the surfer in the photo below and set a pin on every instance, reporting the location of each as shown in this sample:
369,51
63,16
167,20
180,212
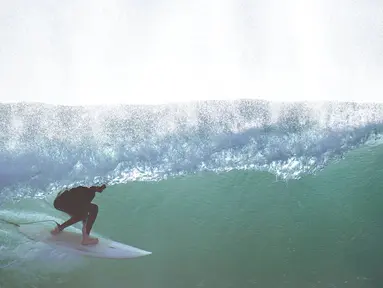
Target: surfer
77,203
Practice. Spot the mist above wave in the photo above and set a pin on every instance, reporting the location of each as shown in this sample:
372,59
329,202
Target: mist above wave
43,147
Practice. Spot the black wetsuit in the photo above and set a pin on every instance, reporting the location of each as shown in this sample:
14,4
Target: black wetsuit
76,202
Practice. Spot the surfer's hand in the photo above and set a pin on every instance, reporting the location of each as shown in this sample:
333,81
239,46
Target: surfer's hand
55,231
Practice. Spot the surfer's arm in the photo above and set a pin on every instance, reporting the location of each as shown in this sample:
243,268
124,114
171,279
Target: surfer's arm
88,193
97,188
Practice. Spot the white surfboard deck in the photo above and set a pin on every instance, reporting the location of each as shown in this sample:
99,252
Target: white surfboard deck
71,241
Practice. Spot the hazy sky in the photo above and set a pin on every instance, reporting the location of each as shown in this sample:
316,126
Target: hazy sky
146,51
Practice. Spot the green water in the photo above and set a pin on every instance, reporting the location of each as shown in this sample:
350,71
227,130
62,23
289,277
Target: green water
237,229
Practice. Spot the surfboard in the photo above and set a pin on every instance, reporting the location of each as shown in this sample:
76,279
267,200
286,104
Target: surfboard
71,241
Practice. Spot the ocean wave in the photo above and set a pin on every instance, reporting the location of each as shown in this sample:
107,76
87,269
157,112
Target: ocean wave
45,147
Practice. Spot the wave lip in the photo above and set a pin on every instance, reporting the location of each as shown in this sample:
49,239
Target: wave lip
45,147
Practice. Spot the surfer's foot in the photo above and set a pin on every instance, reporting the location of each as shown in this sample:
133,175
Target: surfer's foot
89,241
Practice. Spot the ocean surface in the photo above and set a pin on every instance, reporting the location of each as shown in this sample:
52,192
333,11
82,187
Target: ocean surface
224,194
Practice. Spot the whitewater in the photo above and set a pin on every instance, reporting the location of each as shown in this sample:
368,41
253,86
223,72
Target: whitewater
50,146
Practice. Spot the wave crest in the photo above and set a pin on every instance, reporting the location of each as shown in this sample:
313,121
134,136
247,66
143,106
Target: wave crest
44,147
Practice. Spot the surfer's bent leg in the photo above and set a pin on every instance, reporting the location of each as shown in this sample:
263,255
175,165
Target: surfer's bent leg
67,203
73,220
92,215
78,205
92,211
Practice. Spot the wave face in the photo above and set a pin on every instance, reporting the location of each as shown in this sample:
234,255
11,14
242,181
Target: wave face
43,147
